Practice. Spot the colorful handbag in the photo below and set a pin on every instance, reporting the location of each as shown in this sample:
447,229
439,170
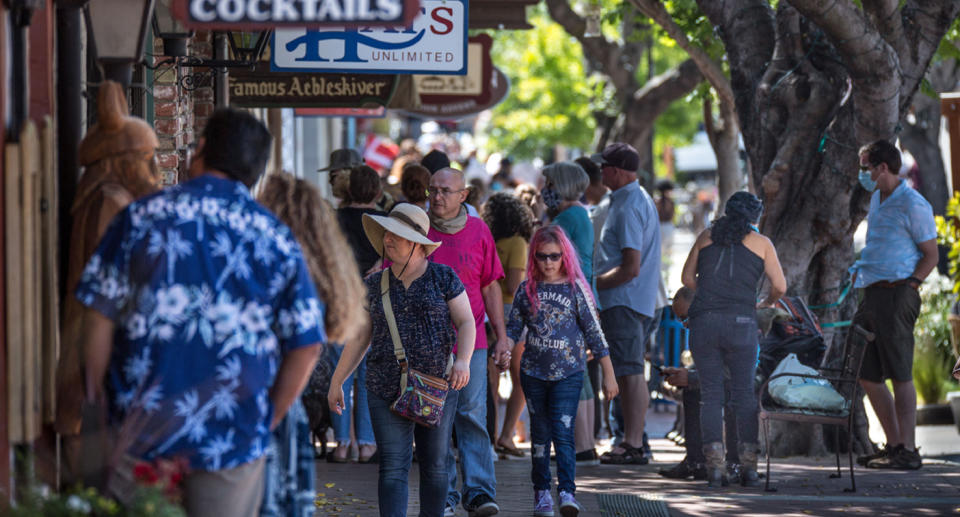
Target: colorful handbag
421,396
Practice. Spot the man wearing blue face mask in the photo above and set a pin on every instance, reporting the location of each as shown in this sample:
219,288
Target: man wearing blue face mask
901,251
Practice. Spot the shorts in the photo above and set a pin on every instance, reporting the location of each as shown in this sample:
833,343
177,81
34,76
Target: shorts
890,313
625,330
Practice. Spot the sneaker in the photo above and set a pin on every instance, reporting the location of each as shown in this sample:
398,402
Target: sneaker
867,458
899,459
685,470
588,457
482,506
448,511
543,504
734,473
569,507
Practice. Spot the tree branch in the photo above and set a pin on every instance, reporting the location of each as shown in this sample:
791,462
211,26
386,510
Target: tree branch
598,50
710,69
887,17
657,94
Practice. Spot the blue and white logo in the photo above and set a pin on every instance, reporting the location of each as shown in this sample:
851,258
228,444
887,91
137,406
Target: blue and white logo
435,43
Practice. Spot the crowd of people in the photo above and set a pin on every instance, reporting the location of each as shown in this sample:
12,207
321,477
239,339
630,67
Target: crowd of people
205,307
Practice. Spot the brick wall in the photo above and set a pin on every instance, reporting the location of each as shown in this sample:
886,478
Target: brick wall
181,107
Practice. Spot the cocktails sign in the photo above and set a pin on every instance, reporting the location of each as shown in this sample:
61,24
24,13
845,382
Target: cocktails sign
268,14
434,43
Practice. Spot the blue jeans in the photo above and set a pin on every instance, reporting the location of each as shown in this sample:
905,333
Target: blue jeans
395,436
341,423
726,342
553,417
473,442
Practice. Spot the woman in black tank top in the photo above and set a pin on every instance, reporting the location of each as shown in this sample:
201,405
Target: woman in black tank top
725,267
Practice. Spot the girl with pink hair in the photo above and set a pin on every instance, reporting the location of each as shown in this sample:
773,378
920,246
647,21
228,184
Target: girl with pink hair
556,307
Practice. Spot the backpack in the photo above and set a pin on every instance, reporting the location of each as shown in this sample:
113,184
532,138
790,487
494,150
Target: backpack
798,333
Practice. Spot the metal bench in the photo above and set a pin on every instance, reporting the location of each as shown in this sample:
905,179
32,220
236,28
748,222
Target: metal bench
844,380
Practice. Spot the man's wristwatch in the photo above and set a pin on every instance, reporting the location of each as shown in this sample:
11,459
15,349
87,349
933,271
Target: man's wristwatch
914,282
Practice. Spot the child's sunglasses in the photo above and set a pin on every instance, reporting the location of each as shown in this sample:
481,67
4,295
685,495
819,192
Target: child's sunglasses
552,257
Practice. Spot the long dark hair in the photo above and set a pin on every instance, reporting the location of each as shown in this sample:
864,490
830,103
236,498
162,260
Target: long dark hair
507,215
743,209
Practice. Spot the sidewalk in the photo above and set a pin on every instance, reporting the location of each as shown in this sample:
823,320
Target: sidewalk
803,486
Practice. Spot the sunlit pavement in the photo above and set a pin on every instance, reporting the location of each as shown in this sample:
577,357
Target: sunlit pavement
803,485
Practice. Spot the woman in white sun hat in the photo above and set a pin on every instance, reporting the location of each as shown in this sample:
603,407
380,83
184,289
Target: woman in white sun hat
432,315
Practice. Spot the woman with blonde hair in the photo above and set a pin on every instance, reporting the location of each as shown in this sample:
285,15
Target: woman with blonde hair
290,484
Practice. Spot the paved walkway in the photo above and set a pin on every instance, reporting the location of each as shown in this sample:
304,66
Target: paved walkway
803,486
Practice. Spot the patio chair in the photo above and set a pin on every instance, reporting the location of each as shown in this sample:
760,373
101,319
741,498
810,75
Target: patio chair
844,380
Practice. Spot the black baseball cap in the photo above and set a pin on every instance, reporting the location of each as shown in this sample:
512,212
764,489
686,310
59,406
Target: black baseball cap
619,155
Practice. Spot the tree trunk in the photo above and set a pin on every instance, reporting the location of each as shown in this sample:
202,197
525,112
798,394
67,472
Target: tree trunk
723,139
921,134
812,83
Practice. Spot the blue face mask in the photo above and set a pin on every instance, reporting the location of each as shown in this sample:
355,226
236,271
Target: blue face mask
550,198
869,184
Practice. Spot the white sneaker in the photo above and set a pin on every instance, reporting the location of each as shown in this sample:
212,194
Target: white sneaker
448,511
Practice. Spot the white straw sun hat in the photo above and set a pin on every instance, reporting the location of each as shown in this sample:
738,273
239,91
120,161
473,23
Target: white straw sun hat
405,220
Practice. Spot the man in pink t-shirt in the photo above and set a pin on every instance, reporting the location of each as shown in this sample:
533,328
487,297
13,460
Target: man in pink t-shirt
469,249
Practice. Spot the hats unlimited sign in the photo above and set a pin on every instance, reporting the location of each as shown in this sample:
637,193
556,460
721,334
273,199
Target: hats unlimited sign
435,43
267,14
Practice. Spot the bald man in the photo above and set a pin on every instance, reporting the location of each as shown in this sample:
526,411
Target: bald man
469,249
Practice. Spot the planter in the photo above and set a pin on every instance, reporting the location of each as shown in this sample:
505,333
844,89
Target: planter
954,398
935,414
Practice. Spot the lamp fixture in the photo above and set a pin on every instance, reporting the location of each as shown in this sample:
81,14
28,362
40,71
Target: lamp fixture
169,29
119,28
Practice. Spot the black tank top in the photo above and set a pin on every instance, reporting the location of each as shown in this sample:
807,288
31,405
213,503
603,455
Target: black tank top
727,279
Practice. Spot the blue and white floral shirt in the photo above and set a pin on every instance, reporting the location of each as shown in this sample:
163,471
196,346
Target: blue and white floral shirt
564,326
208,290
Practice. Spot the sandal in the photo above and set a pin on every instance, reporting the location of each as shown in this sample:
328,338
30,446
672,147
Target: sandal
508,452
629,456
371,458
332,455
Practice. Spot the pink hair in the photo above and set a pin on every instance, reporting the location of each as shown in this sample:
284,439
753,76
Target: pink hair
570,263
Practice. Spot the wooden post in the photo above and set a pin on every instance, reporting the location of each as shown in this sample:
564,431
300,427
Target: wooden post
950,108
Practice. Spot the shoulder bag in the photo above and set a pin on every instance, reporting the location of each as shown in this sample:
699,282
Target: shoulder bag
421,396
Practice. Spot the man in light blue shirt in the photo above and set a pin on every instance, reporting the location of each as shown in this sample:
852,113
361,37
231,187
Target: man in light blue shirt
901,251
628,275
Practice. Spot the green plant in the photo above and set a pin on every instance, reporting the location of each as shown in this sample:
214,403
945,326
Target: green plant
933,356
41,501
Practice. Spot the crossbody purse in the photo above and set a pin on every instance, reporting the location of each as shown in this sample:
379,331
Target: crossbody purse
421,396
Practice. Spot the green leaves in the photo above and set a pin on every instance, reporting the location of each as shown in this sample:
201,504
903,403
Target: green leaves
550,95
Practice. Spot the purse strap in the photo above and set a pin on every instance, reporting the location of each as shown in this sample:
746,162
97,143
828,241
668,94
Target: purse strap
392,323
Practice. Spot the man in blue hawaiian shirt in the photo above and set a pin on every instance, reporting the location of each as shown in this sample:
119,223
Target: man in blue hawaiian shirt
203,318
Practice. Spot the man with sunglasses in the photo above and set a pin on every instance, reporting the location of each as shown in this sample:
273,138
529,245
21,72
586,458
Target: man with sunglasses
628,276
901,251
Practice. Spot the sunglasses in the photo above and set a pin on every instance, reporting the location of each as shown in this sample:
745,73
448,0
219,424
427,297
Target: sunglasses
865,168
552,257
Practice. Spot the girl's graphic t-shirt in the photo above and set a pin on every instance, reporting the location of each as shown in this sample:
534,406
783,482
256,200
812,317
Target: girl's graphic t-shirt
565,325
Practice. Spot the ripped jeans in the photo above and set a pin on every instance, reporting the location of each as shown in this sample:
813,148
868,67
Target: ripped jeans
553,415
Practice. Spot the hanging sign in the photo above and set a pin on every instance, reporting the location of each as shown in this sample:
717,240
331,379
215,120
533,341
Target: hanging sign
341,112
261,88
455,107
479,68
435,43
269,14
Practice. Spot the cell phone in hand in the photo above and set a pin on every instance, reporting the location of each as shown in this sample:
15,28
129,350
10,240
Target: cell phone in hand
659,368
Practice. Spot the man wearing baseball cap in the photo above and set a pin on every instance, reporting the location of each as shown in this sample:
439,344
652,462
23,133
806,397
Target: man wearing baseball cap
628,269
